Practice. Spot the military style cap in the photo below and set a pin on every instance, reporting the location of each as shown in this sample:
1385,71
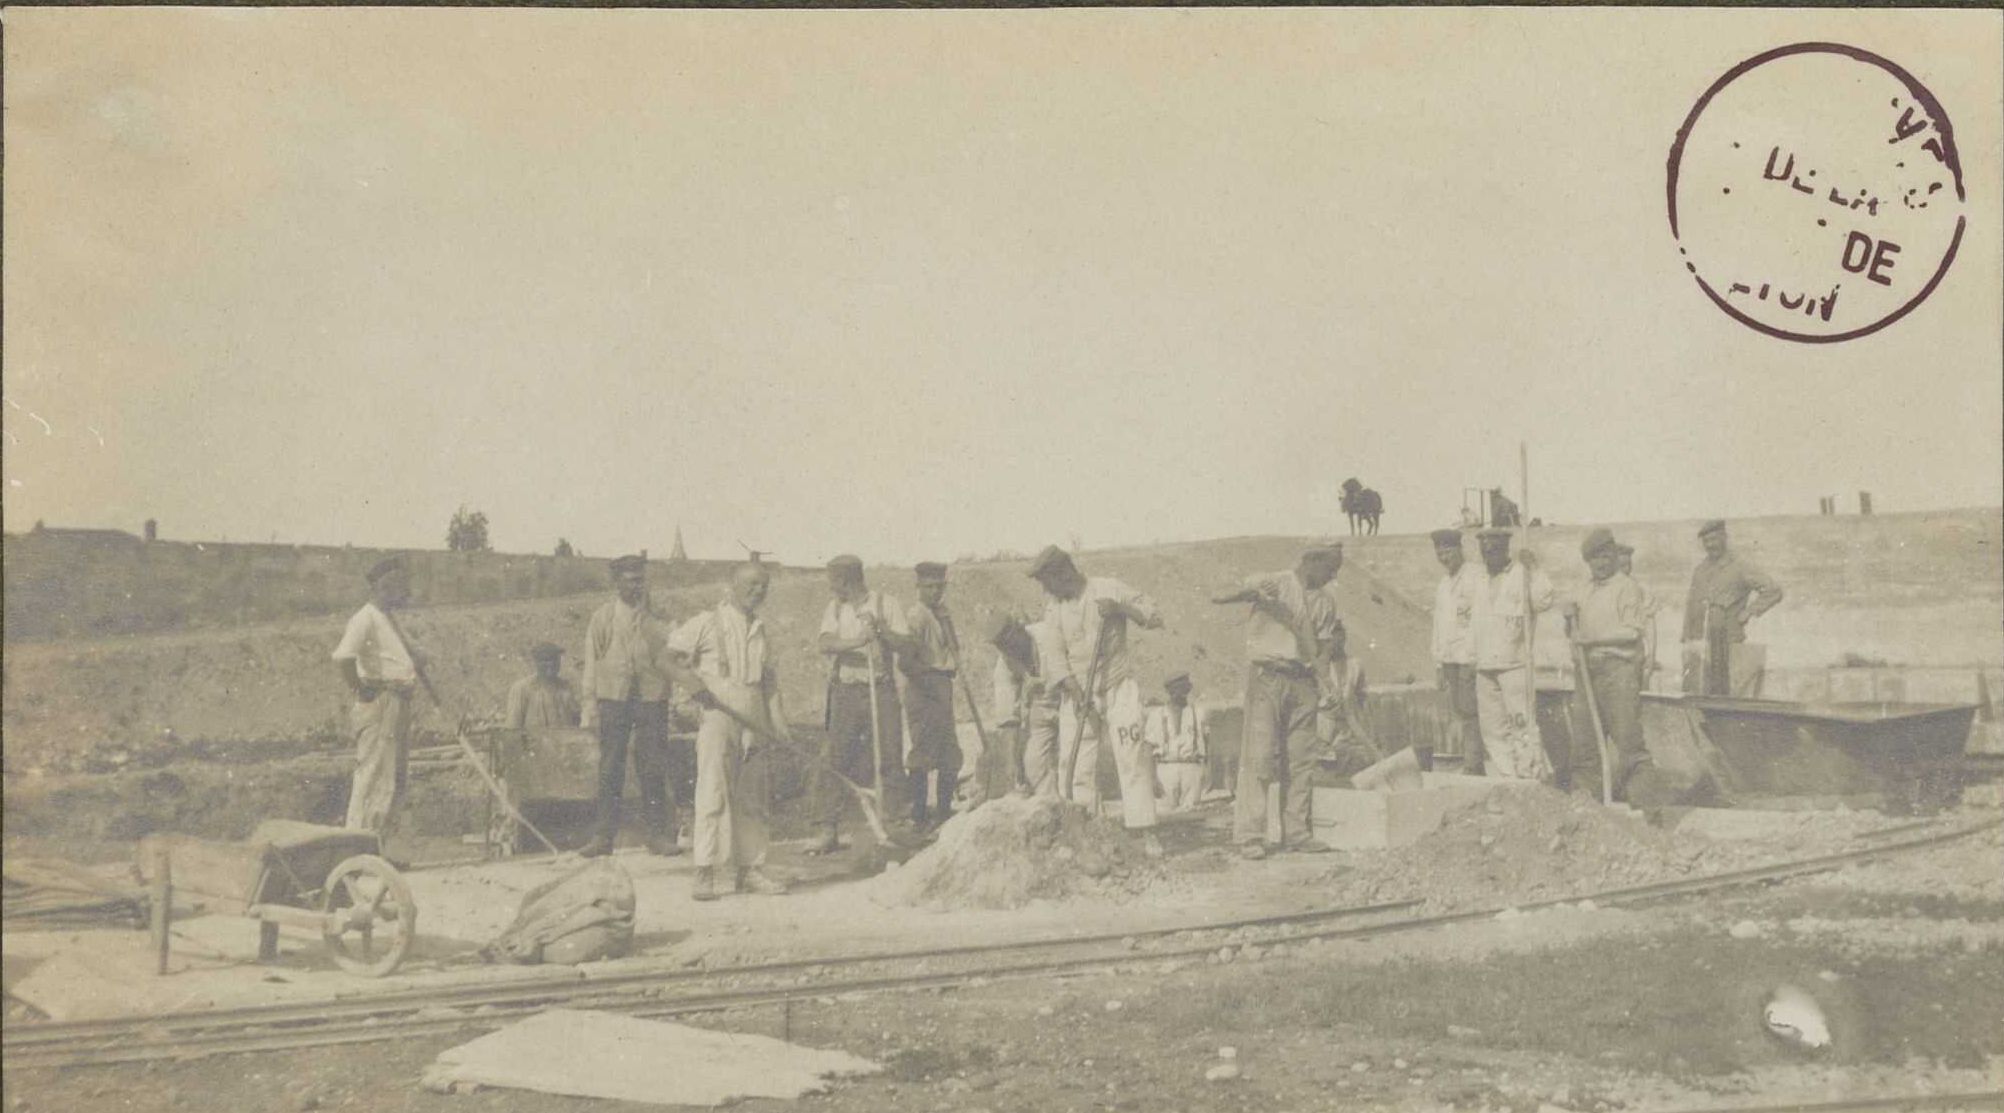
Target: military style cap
630,563
1176,679
384,567
1716,525
546,651
1598,540
930,572
1050,560
1446,538
847,562
1492,533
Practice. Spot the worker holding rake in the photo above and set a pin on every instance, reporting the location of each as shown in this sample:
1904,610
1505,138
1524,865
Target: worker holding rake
1084,660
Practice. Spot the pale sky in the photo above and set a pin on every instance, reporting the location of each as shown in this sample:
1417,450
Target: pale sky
918,284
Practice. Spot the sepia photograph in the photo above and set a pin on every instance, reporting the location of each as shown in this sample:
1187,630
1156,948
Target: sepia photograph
929,559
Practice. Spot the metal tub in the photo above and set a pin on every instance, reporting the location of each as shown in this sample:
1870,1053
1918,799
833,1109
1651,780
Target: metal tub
1909,755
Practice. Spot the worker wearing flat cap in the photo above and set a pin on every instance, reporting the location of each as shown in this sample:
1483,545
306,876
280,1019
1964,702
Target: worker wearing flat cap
1454,602
1727,592
1086,662
1291,631
380,667
627,687
544,699
1607,623
1181,744
861,631
1511,593
930,669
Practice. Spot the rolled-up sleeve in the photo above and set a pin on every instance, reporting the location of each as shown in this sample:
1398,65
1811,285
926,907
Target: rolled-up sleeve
1139,605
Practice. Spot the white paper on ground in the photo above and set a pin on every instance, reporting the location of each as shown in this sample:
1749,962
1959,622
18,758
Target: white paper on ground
603,1055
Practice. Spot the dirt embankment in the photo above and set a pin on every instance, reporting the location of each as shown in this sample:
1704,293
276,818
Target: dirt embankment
145,701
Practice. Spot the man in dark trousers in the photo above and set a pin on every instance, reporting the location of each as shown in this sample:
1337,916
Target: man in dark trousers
1727,592
1291,629
626,688
930,667
1454,605
1607,624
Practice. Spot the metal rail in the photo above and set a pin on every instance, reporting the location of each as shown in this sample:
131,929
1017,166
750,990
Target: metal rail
375,1007
415,1013
1991,1100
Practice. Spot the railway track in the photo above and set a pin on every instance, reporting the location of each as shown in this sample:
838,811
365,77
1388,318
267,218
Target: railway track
418,1013
1918,1103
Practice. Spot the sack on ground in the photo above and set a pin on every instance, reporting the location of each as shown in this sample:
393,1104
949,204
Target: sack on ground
583,916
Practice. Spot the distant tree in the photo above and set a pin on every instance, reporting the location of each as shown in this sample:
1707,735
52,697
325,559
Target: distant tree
564,547
468,532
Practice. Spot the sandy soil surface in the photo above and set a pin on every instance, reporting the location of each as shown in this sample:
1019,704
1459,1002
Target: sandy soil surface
1568,1009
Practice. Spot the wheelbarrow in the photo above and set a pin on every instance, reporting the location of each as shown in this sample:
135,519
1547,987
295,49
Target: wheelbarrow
327,879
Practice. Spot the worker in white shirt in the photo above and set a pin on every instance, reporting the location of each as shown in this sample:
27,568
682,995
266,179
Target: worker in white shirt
728,643
1084,657
1182,746
380,668
1510,594
1454,602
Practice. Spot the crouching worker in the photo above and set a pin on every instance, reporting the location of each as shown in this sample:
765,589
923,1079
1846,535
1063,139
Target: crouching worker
726,647
1182,746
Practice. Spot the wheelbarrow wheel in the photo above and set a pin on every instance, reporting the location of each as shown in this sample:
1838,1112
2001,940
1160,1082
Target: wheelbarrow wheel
370,919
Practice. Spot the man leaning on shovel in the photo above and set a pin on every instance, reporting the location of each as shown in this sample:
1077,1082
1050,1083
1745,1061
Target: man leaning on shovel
1607,624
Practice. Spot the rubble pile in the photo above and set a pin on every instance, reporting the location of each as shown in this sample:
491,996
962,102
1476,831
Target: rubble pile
1537,843
1013,850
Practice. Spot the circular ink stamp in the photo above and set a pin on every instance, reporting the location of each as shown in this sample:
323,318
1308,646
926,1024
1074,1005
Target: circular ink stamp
1815,193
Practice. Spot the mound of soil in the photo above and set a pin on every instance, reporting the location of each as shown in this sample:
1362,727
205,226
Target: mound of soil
1011,851
1537,843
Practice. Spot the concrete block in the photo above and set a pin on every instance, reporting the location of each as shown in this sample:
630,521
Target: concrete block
1350,819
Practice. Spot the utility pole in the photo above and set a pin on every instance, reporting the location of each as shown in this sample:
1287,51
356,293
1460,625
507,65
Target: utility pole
1524,480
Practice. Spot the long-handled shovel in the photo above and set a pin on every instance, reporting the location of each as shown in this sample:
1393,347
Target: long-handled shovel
1530,652
1584,682
1068,768
770,725
980,732
876,742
